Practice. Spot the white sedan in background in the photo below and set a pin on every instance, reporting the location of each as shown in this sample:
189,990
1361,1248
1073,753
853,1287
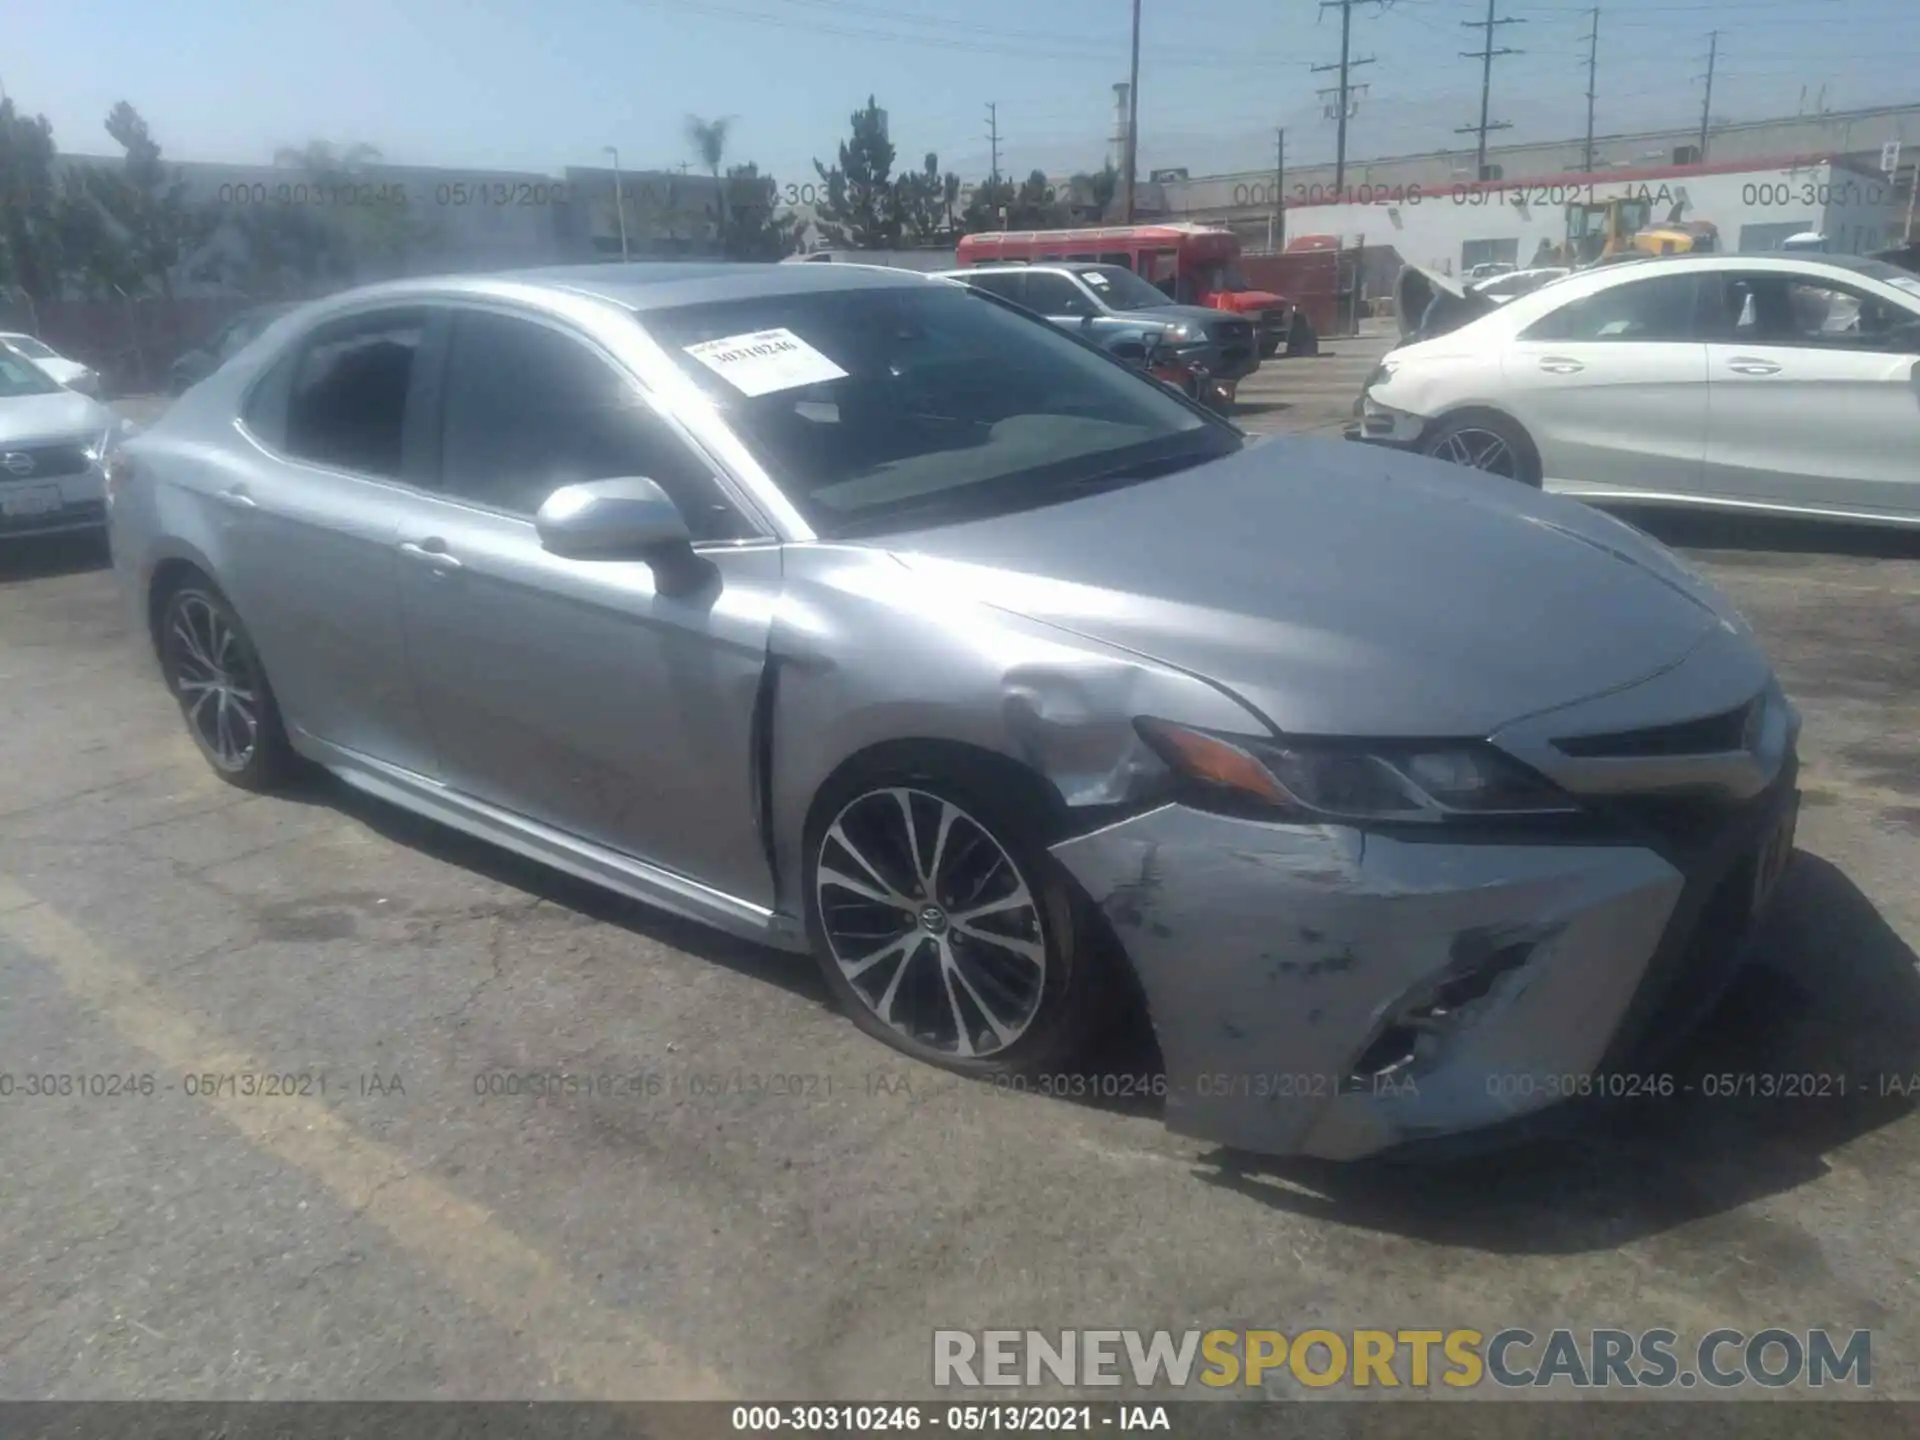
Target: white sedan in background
1754,382
70,373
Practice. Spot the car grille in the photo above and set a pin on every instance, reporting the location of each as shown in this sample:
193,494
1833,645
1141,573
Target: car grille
49,461
1710,735
1715,846
1233,332
1235,354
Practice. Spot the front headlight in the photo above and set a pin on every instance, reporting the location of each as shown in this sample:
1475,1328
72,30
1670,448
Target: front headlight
1379,375
1182,332
1401,782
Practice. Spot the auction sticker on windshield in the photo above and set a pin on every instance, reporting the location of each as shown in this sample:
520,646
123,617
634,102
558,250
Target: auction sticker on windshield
765,361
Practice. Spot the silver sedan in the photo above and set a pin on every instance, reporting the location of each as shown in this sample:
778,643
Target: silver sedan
869,616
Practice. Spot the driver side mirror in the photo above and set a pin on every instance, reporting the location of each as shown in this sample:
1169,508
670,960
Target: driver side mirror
628,519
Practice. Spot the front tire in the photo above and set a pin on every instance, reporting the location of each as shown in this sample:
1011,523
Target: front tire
215,674
944,928
1486,442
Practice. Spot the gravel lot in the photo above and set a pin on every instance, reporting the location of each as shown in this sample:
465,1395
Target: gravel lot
403,1236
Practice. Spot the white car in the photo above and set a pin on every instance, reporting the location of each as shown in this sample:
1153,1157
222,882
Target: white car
1753,382
70,373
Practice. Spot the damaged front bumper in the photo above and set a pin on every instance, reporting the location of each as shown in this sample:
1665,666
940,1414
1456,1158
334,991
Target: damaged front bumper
1323,991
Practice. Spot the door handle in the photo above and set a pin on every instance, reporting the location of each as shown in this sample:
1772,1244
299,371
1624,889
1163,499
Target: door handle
1561,365
1753,367
431,551
237,498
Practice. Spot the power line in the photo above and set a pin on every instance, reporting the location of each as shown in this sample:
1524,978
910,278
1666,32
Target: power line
993,137
1485,56
1344,104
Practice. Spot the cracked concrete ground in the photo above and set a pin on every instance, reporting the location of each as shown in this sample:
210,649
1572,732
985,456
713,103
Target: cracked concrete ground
758,1200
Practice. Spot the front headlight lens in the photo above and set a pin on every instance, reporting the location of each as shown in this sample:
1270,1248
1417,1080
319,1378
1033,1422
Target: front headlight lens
1181,332
1400,782
1379,375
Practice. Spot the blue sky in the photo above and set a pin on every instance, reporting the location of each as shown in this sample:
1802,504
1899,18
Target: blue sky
540,84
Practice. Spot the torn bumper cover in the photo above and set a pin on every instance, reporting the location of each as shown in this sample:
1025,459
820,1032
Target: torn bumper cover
1322,991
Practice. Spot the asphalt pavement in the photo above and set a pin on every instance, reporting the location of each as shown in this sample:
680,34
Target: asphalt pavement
759,1201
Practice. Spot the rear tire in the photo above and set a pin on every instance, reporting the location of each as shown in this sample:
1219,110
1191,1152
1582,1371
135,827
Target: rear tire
943,927
1481,440
215,674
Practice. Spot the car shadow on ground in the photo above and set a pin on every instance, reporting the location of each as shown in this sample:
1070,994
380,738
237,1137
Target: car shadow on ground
793,973
45,557
1817,1046
1778,535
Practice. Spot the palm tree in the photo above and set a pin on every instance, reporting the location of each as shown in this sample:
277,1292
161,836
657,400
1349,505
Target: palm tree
709,141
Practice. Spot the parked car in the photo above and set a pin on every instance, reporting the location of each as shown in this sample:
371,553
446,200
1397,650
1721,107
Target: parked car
52,441
1760,382
1515,283
70,373
872,617
1113,307
195,364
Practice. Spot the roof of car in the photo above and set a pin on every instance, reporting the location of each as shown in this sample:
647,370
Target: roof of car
657,285
1000,267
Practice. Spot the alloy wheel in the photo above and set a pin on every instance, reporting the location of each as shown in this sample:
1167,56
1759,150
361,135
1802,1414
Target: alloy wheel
931,923
216,685
1477,450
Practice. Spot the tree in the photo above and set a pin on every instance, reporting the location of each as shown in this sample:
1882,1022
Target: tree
753,226
924,202
1090,196
709,141
163,228
369,229
861,209
30,207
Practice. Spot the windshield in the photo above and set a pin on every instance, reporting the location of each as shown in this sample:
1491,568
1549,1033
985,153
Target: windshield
20,376
30,347
1221,275
1121,288
896,408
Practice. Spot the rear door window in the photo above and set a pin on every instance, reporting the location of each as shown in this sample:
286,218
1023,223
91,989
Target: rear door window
346,401
1050,293
1004,283
1659,308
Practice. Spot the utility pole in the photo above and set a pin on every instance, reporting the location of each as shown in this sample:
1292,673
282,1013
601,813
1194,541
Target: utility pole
1593,59
1277,240
1133,116
1706,106
619,199
993,137
1343,93
1485,55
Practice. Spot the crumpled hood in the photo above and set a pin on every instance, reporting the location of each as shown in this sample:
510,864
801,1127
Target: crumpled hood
63,415
1342,589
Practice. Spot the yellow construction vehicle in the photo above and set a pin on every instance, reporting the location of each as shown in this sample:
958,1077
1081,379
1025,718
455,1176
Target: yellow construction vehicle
1600,230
